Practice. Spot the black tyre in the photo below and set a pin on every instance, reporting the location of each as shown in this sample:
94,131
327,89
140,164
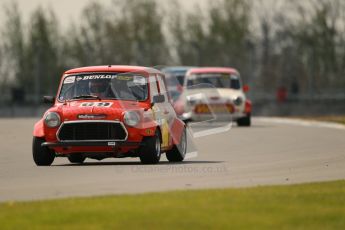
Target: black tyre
245,121
150,152
76,158
178,152
43,156
187,121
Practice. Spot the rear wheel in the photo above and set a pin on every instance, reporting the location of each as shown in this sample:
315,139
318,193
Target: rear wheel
178,152
43,156
150,152
244,121
76,158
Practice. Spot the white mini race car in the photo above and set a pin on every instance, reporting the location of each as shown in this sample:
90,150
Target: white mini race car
214,94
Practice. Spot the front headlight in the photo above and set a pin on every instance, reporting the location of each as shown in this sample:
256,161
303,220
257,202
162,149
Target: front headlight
192,102
238,101
194,98
131,118
52,120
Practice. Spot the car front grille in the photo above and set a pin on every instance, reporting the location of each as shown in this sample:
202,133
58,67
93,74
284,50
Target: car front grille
84,131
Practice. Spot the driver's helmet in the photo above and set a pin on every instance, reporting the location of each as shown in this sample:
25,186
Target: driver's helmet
98,87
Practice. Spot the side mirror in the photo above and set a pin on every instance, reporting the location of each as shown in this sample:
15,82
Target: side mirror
48,100
245,88
158,99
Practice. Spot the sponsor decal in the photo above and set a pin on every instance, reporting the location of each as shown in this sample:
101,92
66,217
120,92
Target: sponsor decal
96,77
124,78
234,77
148,131
79,78
96,104
136,79
91,116
69,80
139,80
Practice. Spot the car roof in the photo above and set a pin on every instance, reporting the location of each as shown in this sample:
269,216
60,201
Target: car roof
112,68
177,68
213,70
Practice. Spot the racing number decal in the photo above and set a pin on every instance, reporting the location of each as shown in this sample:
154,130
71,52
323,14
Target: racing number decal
96,104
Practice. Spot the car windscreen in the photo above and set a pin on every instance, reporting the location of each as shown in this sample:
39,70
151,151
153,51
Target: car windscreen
128,86
218,80
179,75
175,77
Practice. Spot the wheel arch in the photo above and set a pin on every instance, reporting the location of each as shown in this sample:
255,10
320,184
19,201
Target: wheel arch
39,129
176,130
248,107
158,128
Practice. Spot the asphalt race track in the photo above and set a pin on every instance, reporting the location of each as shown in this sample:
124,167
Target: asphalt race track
272,151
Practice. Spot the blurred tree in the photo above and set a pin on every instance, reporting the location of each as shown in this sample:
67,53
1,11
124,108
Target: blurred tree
128,33
148,42
265,39
86,45
44,59
188,35
3,75
13,48
228,33
318,38
218,38
303,49
33,62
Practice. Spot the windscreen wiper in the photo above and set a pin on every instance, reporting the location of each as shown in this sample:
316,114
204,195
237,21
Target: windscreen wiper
87,97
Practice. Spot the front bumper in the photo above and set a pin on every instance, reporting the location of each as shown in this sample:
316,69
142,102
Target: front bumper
191,116
66,144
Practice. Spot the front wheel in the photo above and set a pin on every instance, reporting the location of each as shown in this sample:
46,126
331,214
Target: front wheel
244,121
43,156
178,152
150,152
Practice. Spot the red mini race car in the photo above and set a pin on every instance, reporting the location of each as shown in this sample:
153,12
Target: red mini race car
110,111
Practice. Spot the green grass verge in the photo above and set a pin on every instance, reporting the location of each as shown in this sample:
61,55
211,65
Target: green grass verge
306,206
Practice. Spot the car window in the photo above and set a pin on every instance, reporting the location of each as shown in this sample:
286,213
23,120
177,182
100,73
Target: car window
218,80
162,88
235,82
153,86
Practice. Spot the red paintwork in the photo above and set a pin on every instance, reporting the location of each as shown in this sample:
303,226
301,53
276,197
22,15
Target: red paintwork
246,88
248,107
176,129
70,110
112,68
179,107
39,129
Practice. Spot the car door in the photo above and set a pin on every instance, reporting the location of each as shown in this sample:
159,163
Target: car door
158,109
168,112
